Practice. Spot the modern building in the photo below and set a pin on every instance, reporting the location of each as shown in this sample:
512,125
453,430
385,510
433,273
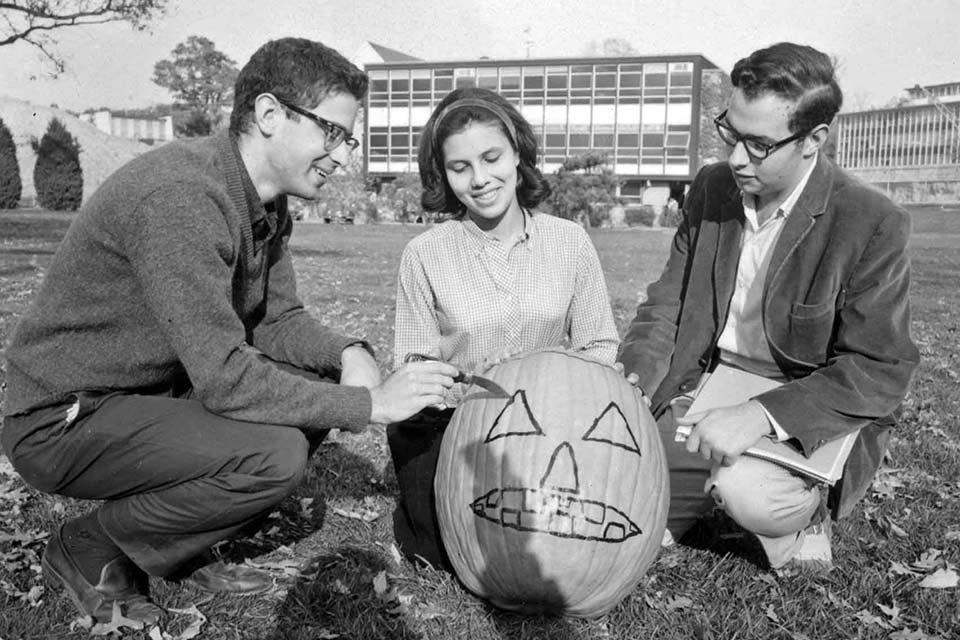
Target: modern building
910,151
652,115
148,130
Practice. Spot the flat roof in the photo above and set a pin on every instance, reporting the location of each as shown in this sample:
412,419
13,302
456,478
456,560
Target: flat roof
519,62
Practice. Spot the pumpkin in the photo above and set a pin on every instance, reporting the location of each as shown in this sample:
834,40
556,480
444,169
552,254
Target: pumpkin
553,500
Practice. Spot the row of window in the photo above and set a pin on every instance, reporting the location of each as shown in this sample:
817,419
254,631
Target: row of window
398,87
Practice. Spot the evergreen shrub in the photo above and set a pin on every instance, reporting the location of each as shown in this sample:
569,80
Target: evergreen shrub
57,175
10,185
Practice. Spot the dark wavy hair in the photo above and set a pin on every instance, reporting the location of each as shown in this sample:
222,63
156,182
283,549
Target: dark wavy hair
795,72
532,187
295,70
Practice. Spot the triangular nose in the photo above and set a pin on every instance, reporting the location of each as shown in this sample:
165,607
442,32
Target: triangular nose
562,473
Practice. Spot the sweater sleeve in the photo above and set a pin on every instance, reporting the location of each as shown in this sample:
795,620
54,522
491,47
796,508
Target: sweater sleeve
288,333
183,254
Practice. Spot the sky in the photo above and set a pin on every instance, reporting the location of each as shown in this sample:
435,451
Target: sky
882,46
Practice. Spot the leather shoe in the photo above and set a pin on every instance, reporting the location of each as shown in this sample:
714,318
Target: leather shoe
237,579
121,581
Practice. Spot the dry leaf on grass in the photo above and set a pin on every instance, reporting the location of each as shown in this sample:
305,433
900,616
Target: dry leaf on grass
940,579
868,618
772,615
117,623
912,634
380,584
364,515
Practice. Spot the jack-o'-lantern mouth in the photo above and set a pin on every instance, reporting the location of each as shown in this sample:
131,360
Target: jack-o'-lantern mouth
558,513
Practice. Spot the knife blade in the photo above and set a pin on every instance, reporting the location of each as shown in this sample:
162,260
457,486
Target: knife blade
462,376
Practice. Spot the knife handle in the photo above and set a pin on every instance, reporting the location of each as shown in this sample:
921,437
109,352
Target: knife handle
422,357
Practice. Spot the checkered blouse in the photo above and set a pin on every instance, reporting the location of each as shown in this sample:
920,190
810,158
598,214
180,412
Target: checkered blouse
463,294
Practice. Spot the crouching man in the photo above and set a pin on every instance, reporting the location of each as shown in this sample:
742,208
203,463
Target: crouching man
167,366
785,266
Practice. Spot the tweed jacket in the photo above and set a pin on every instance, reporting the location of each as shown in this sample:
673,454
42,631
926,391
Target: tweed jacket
836,312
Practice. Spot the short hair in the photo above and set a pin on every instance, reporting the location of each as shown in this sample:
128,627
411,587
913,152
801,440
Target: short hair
794,72
296,70
438,197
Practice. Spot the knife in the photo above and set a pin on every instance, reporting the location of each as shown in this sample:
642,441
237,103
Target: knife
462,376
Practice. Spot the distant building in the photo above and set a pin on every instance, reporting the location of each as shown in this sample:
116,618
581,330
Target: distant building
148,130
651,114
911,151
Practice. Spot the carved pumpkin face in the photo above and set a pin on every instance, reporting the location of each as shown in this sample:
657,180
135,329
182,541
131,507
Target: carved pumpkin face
555,498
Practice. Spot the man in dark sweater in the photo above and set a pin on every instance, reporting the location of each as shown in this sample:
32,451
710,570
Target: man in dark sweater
167,366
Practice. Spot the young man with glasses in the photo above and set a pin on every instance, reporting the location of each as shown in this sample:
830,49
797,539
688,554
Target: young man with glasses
167,366
786,267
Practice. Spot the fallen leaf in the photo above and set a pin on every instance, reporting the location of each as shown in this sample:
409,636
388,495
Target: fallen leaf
929,560
364,515
116,624
911,634
868,618
952,536
893,612
940,579
340,587
193,629
395,554
380,585
900,569
895,529
680,602
772,615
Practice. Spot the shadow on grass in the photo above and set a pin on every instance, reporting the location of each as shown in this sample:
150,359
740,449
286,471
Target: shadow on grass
717,533
339,601
334,473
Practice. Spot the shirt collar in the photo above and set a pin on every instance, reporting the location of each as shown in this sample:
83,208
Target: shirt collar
483,238
786,206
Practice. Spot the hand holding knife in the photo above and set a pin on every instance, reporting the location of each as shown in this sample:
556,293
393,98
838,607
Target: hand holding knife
466,378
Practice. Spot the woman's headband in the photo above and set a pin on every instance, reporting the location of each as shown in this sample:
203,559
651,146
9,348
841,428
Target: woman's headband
487,106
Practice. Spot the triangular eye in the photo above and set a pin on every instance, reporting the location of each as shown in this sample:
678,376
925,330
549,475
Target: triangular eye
612,427
515,419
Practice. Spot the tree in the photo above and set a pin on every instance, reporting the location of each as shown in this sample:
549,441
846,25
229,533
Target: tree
402,197
200,77
31,21
10,185
584,189
610,48
57,175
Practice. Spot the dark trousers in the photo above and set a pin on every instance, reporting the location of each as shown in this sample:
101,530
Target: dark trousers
176,478
688,475
415,449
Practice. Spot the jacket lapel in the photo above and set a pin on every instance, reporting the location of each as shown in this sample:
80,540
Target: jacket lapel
728,252
811,204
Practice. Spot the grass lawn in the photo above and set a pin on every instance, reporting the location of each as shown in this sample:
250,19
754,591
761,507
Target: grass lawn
332,540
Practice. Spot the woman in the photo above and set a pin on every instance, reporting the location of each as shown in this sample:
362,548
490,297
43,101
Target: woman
497,279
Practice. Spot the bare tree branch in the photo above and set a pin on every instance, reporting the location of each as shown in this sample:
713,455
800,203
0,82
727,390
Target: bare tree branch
32,21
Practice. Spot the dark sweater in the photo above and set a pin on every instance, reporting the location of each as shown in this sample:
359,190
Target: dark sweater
160,285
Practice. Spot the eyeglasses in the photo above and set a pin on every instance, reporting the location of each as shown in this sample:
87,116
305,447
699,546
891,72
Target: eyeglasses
335,134
755,149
